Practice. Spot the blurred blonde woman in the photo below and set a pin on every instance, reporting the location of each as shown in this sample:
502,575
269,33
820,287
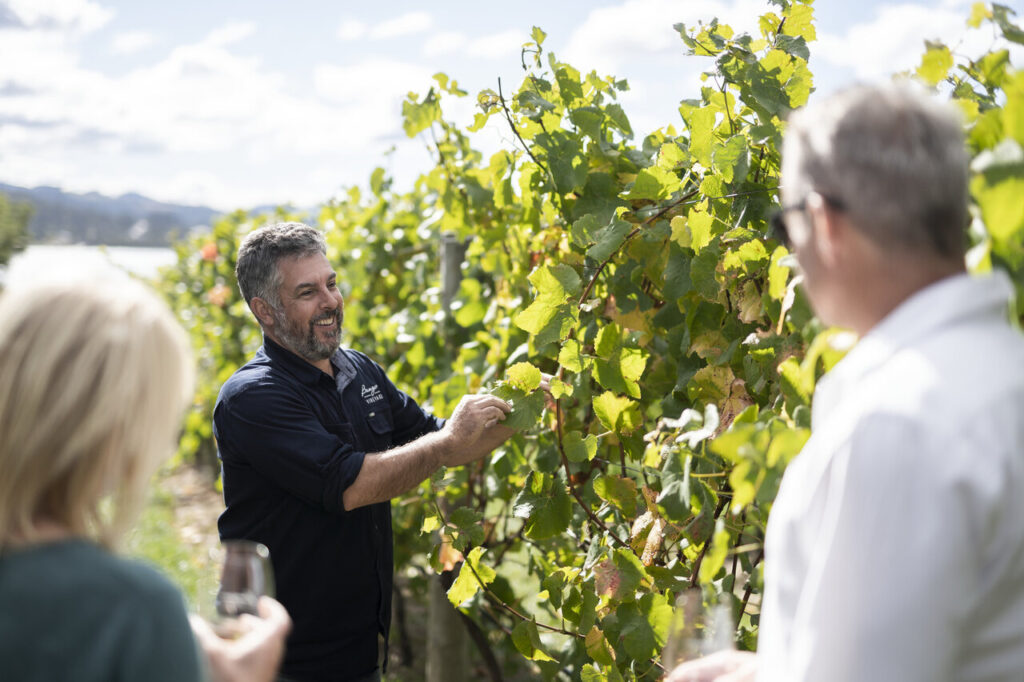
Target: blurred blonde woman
94,377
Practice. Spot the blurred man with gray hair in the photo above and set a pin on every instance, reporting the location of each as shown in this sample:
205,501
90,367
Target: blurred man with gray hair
895,549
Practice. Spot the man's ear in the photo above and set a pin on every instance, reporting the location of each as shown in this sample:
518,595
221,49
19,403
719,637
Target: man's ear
263,311
828,230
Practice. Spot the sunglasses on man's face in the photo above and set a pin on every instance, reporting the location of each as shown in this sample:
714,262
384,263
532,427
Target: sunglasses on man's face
777,220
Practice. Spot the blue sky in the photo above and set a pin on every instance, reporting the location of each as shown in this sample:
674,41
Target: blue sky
232,103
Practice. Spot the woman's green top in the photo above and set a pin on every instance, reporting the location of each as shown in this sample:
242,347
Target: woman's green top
71,611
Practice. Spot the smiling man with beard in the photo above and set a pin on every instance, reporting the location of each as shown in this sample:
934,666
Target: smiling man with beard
314,441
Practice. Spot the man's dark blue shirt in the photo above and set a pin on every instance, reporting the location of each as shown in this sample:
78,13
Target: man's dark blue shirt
291,439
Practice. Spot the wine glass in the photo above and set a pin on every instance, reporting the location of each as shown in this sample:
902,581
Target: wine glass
245,577
697,630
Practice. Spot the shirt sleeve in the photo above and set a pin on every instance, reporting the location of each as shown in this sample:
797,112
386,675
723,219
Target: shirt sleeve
892,565
276,433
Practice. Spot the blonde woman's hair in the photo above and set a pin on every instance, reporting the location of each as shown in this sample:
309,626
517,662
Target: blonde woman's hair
94,377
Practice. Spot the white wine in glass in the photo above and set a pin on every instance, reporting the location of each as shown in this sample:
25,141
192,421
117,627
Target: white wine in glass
696,630
246,576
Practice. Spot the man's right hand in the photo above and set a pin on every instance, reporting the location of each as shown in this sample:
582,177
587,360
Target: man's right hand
474,429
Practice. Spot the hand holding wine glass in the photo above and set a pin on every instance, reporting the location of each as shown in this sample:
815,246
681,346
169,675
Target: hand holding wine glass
700,646
245,641
256,653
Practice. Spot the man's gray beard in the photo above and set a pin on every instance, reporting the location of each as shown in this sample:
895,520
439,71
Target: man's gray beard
304,342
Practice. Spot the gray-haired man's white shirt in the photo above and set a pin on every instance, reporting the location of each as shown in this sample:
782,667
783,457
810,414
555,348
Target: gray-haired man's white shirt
895,549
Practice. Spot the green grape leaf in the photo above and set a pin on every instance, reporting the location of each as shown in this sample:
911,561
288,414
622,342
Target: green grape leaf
681,232
704,273
578,448
677,273
527,641
550,317
609,239
569,356
567,164
531,101
711,384
732,158
545,505
785,446
617,117
700,122
793,45
747,258
765,88
599,650
617,413
699,223
979,12
466,584
714,559
778,275
430,523
580,606
569,87
554,584
796,386
1013,113
585,230
645,625
653,183
589,120
674,497
935,64
618,367
464,518
620,575
418,116
618,491
527,408
993,69
998,192
560,389
671,156
523,376
987,130
1012,32
800,22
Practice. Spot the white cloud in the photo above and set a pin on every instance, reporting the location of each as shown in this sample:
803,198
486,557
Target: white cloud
612,36
406,24
894,40
203,106
230,34
369,79
352,30
35,59
204,187
131,42
444,43
70,15
498,45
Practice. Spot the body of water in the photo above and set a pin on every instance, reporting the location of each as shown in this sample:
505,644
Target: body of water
51,261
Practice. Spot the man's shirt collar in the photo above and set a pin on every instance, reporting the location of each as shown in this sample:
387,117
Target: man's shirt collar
306,372
948,302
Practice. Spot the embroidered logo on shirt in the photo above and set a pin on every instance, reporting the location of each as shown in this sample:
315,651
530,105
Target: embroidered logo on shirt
371,394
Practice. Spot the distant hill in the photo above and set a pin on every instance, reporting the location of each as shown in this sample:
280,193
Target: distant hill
130,219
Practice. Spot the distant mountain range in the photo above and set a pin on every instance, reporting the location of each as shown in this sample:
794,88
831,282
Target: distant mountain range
130,219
